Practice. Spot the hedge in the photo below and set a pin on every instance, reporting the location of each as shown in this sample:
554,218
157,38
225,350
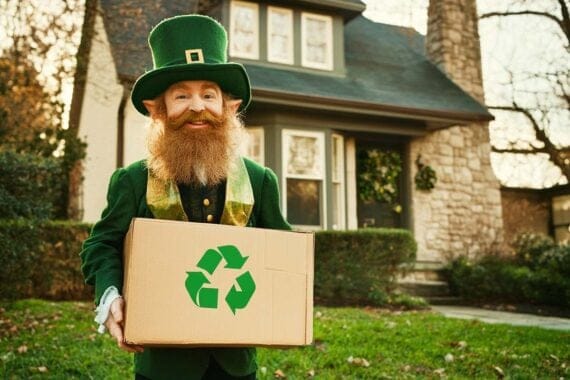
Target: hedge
31,186
351,267
360,267
538,273
41,259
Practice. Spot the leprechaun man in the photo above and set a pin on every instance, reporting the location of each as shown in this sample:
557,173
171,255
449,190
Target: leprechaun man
194,172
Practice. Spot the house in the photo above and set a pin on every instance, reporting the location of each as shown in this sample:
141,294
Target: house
345,110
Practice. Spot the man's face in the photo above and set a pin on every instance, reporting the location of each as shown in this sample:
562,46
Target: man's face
196,96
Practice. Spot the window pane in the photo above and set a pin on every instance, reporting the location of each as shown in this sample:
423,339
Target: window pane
304,156
255,148
303,202
317,43
244,30
280,41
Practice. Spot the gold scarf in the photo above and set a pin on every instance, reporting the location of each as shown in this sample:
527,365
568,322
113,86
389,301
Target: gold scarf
163,197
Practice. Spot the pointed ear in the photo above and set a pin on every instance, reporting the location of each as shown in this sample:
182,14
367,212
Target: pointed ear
233,105
150,106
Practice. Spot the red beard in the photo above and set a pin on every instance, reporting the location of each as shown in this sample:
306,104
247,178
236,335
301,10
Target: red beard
194,156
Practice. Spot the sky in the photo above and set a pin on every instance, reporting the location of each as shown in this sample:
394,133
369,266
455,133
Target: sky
504,55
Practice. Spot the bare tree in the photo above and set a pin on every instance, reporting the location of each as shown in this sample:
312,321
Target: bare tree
540,93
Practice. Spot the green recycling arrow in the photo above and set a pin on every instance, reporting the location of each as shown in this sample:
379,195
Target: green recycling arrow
203,297
209,262
233,257
239,299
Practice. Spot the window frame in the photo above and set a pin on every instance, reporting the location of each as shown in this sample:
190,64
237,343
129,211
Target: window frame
260,131
329,64
338,178
321,176
246,4
290,60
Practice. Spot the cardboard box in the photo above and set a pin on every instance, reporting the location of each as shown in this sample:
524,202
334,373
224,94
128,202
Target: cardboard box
197,284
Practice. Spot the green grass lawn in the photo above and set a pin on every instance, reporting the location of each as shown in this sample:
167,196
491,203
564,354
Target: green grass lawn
41,339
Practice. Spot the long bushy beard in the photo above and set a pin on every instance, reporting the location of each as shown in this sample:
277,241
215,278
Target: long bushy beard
194,156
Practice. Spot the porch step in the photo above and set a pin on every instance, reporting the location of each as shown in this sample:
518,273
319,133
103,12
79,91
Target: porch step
424,288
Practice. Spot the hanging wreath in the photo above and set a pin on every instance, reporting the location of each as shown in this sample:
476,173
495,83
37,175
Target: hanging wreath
378,176
425,177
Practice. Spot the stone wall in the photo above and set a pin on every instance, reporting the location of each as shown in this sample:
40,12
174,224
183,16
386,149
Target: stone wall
462,215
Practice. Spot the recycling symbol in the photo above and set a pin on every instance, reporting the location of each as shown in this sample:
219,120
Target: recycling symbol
205,296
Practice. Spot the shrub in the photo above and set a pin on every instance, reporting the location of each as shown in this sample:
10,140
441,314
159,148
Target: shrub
360,267
41,259
31,186
504,280
530,247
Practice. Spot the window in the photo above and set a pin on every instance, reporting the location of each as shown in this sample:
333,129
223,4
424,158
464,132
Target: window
279,35
244,29
303,161
255,148
316,40
338,218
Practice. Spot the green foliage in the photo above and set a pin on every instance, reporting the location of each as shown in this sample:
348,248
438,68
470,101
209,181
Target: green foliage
31,187
538,274
425,178
529,247
41,259
60,336
378,176
360,267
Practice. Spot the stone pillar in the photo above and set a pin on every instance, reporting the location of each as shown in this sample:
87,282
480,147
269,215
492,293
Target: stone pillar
462,215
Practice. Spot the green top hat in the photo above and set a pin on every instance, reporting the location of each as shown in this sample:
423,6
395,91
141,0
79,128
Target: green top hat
190,47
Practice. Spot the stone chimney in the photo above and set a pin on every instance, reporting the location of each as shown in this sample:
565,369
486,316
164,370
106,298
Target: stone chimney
453,43
462,214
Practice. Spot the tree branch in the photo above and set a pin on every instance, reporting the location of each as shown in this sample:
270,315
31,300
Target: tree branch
563,24
555,155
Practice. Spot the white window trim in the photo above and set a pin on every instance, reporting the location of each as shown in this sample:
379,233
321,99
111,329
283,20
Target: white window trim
233,5
328,65
270,51
261,132
285,133
341,180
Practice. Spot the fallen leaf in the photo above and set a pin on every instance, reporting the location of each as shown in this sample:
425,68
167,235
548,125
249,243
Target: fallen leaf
263,370
554,357
318,314
311,373
42,369
279,374
449,358
499,372
440,372
358,361
22,349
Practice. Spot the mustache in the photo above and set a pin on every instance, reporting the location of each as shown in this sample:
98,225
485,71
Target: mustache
190,116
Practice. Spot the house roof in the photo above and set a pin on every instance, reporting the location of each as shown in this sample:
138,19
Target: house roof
387,72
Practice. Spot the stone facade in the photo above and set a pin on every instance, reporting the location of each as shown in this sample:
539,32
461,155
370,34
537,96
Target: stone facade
463,214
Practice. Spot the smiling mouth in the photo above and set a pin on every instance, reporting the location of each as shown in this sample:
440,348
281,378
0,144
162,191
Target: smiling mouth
197,124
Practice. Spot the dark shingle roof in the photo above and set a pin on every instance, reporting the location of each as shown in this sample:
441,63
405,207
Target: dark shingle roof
385,66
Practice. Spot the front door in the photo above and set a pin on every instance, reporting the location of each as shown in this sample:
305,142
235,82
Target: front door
379,178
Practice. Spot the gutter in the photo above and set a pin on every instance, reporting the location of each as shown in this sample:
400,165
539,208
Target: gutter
434,118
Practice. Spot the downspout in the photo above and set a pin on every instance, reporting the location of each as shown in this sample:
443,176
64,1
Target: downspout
121,127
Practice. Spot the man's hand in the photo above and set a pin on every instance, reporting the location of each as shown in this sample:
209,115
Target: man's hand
114,324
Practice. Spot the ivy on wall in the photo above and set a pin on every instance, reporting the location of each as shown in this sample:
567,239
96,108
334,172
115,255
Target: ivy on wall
378,176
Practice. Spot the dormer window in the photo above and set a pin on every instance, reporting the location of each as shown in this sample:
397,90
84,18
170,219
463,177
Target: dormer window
280,35
244,30
317,42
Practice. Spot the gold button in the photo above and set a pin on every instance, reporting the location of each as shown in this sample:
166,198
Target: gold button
206,202
210,218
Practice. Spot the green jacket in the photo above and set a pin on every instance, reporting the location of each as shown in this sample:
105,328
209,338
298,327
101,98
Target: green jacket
102,265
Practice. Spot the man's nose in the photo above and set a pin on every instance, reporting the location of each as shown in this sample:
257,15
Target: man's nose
196,105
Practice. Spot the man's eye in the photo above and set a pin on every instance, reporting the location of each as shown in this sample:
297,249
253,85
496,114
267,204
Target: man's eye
180,96
209,96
